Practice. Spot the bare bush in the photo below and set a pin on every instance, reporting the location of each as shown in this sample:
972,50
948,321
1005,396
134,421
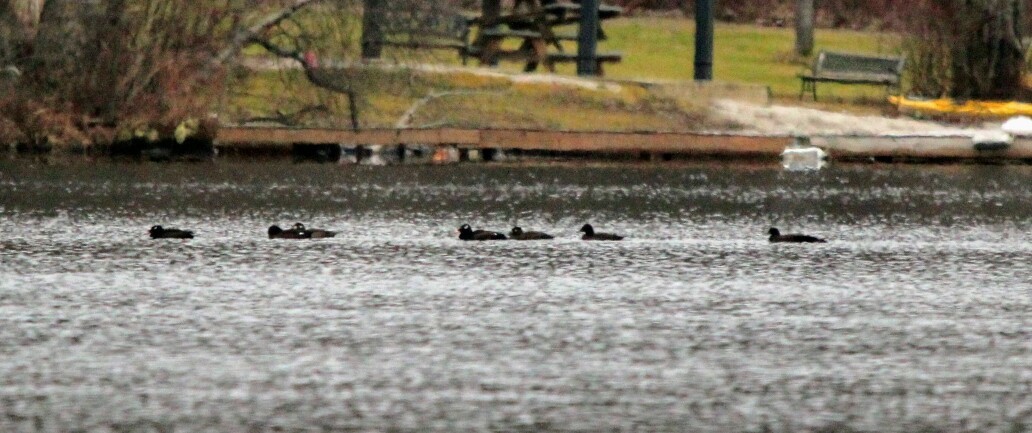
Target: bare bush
965,49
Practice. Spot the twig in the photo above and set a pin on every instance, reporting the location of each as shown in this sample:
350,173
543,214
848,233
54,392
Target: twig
244,37
406,119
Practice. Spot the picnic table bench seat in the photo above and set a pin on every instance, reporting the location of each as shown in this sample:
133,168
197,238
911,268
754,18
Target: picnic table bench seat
600,59
526,34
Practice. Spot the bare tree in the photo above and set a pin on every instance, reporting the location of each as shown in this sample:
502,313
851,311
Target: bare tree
966,48
105,67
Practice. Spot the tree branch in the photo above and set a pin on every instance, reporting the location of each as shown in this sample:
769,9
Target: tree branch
244,37
313,75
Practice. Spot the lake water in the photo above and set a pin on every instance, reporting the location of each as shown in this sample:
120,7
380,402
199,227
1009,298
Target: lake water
915,317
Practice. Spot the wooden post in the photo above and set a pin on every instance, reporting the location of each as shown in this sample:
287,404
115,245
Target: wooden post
372,29
804,27
587,39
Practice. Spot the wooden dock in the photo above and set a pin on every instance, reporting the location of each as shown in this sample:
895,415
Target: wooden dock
634,144
332,145
644,145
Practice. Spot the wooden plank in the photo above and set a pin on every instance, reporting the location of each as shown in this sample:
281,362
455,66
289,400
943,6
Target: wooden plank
466,137
557,141
614,142
610,56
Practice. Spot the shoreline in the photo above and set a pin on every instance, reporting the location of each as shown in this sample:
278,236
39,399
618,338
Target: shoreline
447,145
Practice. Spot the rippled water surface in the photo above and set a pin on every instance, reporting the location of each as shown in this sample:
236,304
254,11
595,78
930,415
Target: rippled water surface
916,316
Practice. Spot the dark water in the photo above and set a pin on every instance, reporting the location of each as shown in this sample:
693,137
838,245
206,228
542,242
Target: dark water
916,317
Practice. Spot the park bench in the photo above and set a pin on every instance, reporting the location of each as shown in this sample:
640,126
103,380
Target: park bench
847,68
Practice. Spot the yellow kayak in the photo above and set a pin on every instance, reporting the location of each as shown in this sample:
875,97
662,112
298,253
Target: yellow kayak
969,108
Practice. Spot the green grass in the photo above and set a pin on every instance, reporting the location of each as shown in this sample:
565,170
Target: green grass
478,102
664,48
653,49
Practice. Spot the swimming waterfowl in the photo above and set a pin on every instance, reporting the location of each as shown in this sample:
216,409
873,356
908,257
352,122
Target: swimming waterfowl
517,233
159,232
590,235
467,233
314,233
275,232
776,236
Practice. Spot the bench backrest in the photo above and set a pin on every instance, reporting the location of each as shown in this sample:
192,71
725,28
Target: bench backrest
858,65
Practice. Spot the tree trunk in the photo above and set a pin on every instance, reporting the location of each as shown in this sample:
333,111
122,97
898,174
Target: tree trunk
804,27
989,62
61,36
19,20
372,29
10,37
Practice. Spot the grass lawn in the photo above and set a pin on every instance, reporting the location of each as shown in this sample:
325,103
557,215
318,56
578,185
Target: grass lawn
653,49
465,100
664,48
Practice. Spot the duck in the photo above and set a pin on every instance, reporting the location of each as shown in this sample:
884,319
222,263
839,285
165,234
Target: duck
159,232
314,233
590,235
275,232
776,236
467,233
517,233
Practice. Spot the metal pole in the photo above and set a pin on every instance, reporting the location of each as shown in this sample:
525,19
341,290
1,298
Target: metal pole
587,39
704,40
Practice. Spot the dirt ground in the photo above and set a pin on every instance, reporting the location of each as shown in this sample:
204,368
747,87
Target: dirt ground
781,119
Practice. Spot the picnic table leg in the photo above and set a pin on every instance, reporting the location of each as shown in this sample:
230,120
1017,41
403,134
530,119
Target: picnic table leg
539,48
489,55
549,65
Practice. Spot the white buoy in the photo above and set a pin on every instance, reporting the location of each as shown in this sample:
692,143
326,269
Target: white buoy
800,156
1017,125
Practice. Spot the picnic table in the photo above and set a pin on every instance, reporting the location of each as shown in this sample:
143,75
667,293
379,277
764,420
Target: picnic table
533,23
529,25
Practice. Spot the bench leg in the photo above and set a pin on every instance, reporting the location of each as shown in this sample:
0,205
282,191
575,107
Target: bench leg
808,85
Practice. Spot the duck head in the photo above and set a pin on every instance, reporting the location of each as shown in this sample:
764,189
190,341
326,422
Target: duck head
465,232
156,230
516,231
774,232
588,229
